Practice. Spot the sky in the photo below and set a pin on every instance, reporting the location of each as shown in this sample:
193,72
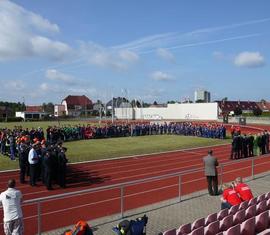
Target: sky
150,50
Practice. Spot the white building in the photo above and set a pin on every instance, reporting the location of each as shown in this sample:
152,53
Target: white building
188,111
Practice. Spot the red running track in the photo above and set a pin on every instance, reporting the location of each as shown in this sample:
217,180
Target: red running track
88,206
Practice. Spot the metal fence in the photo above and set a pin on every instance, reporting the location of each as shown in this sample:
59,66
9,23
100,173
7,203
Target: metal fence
120,199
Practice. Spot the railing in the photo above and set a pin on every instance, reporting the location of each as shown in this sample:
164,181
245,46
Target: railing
121,199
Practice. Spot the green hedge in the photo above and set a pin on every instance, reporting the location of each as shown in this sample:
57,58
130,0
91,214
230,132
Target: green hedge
11,119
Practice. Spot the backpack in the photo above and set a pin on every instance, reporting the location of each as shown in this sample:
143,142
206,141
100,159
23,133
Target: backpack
81,228
132,227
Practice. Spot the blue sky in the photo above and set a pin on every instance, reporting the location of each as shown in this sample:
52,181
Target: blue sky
148,50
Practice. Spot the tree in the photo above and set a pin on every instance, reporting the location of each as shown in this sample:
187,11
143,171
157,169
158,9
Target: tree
171,102
155,103
238,111
257,112
200,101
225,99
48,108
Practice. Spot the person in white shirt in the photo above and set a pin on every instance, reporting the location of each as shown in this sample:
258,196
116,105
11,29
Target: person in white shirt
11,200
33,163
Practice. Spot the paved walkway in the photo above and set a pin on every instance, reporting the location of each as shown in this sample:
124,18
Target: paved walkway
164,216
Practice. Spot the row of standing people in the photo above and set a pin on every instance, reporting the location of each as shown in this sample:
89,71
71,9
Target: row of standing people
244,146
42,162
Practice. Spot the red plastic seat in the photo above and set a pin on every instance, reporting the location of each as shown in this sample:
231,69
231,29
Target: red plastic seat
261,207
265,232
261,198
261,221
210,218
170,232
252,201
222,214
197,231
212,228
248,227
250,211
239,217
233,209
226,223
197,223
235,230
243,205
184,229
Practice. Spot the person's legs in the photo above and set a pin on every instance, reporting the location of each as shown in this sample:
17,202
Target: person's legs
215,185
225,205
209,182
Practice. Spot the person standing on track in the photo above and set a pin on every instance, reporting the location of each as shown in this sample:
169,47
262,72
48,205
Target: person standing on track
210,166
11,200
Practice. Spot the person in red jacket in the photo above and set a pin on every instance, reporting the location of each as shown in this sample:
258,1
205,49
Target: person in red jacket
242,189
229,197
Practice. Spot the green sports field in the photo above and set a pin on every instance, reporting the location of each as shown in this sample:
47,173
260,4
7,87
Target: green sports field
87,150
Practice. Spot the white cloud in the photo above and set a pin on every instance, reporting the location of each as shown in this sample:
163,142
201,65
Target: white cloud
218,55
20,35
249,59
14,85
107,57
127,55
165,54
56,75
161,76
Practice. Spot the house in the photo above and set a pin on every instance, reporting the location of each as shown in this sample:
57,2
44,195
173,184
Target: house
59,110
77,105
32,113
228,107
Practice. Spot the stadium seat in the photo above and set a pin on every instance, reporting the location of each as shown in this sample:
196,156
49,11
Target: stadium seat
222,214
197,231
250,211
233,209
265,232
252,201
184,229
210,218
267,195
248,227
260,198
239,217
226,223
212,228
170,232
235,230
197,223
261,221
268,204
243,205
261,207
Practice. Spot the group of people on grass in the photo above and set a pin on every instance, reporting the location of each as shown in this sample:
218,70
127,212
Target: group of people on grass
10,138
244,146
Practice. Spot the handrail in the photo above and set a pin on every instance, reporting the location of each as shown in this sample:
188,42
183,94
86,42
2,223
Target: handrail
129,183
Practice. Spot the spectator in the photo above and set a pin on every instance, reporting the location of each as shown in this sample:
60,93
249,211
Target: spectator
242,189
11,200
210,164
229,197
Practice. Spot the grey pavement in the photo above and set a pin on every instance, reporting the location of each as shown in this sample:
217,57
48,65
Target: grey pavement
171,214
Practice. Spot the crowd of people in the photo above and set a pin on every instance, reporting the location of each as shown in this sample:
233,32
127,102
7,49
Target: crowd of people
248,145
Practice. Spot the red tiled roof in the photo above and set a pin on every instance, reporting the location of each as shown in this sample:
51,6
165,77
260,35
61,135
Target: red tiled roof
227,106
73,100
34,109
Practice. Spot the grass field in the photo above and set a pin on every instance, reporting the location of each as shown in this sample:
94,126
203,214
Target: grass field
87,150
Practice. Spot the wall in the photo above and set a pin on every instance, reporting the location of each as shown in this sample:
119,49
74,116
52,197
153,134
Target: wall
194,111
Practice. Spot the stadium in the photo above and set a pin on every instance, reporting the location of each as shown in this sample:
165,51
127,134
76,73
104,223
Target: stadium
146,118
